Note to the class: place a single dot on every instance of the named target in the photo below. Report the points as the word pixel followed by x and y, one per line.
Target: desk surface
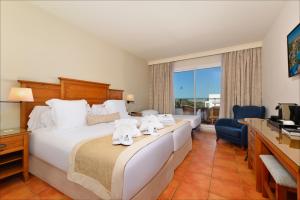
pixel 271 134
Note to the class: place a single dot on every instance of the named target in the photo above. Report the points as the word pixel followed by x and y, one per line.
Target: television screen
pixel 293 42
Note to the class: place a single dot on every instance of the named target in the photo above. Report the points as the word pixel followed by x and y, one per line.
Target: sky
pixel 208 81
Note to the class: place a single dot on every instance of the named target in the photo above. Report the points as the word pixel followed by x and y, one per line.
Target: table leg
pixel 25 159
pixel 258 151
pixel 298 186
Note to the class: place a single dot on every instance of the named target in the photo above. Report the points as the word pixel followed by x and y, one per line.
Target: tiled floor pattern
pixel 210 171
pixel 213 171
pixel 15 189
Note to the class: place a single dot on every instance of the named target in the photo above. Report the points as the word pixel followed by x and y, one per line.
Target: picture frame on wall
pixel 293 47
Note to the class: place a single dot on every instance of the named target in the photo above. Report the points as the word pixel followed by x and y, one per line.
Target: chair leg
pixel 281 192
pixel 246 157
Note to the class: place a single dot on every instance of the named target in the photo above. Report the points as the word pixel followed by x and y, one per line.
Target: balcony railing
pixel 186 106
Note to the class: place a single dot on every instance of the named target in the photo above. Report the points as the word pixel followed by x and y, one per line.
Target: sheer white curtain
pixel 161 88
pixel 241 80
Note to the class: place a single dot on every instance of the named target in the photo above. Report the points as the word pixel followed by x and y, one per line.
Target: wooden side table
pixel 14 153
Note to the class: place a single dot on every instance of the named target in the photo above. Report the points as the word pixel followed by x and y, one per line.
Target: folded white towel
pixel 125 130
pixel 166 119
pixel 150 123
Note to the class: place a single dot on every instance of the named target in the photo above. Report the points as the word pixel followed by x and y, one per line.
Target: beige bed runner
pixel 99 166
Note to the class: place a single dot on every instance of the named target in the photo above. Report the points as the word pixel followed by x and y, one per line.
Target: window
pixel 197 90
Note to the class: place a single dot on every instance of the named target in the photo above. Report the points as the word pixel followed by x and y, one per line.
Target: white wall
pixel 38 46
pixel 277 86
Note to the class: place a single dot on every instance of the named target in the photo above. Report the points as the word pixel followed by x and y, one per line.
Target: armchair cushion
pixel 230 131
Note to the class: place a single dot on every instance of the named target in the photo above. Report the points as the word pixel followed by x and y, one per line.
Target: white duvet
pixel 54 146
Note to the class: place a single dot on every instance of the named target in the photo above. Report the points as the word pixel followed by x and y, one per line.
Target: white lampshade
pixel 130 97
pixel 20 94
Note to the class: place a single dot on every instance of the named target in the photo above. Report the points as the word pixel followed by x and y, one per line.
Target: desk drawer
pixel 11 142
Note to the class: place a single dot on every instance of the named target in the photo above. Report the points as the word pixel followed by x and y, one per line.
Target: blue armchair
pixel 232 130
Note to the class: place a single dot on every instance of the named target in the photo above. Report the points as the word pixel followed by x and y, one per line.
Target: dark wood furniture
pixel 267 141
pixel 93 92
pixel 137 114
pixel 251 148
pixel 14 153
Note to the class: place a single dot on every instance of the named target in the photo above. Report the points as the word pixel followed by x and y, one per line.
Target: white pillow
pixel 99 109
pixel 119 106
pixel 68 113
pixel 149 112
pixel 40 117
pixel 47 119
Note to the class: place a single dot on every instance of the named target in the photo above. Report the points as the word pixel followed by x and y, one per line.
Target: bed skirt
pixel 180 154
pixel 58 178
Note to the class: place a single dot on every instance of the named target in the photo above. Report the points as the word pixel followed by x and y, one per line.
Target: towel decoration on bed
pixel 166 119
pixel 102 172
pixel 125 130
pixel 150 124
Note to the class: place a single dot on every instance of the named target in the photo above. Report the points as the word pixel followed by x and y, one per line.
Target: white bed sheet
pixel 181 135
pixel 55 146
pixel 194 119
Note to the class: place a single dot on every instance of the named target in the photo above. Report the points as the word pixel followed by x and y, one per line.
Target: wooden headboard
pixel 93 92
pixel 68 88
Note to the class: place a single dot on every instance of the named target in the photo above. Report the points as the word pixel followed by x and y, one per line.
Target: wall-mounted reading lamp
pixel 130 98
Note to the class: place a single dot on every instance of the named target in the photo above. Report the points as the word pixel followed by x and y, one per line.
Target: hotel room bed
pixel 55 147
pixel 146 174
pixel 195 120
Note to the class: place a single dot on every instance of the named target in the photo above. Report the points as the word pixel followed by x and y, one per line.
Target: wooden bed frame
pixel 93 92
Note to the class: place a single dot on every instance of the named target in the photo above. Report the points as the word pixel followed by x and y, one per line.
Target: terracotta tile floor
pixel 210 171
pixel 14 188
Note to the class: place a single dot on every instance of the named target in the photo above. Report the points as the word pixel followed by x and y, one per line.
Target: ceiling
pixel 160 29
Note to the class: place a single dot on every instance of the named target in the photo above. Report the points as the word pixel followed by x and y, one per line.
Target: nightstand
pixel 14 153
pixel 136 114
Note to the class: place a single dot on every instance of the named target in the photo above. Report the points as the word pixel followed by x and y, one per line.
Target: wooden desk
pixel 266 142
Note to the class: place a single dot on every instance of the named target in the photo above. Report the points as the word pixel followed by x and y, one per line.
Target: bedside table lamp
pixel 17 95
pixel 130 98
